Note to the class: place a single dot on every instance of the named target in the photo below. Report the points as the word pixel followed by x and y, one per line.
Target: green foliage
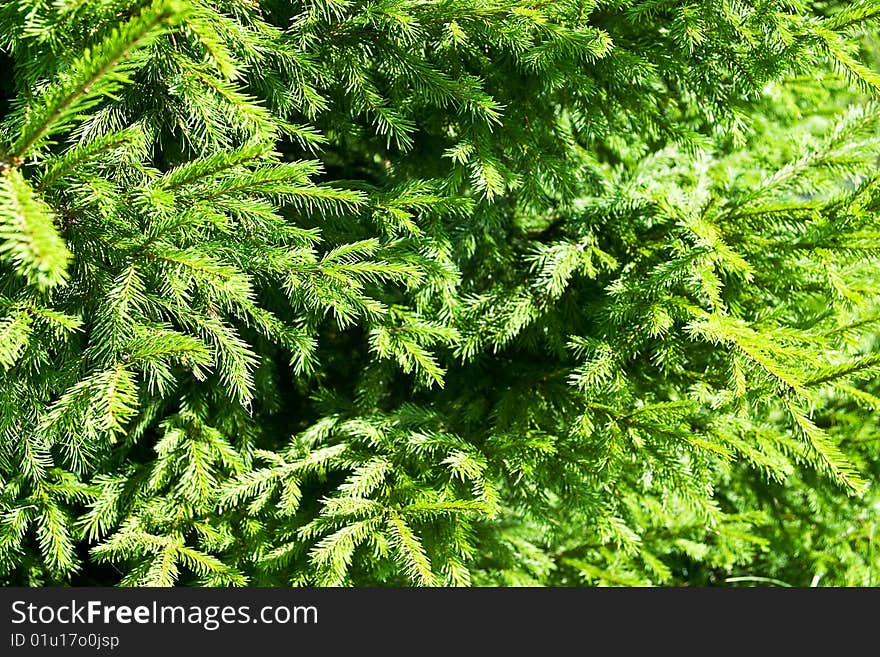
pixel 466 292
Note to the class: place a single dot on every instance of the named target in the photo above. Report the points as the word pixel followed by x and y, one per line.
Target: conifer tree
pixel 447 293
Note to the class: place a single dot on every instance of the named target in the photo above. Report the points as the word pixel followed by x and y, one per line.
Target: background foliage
pixel 394 292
